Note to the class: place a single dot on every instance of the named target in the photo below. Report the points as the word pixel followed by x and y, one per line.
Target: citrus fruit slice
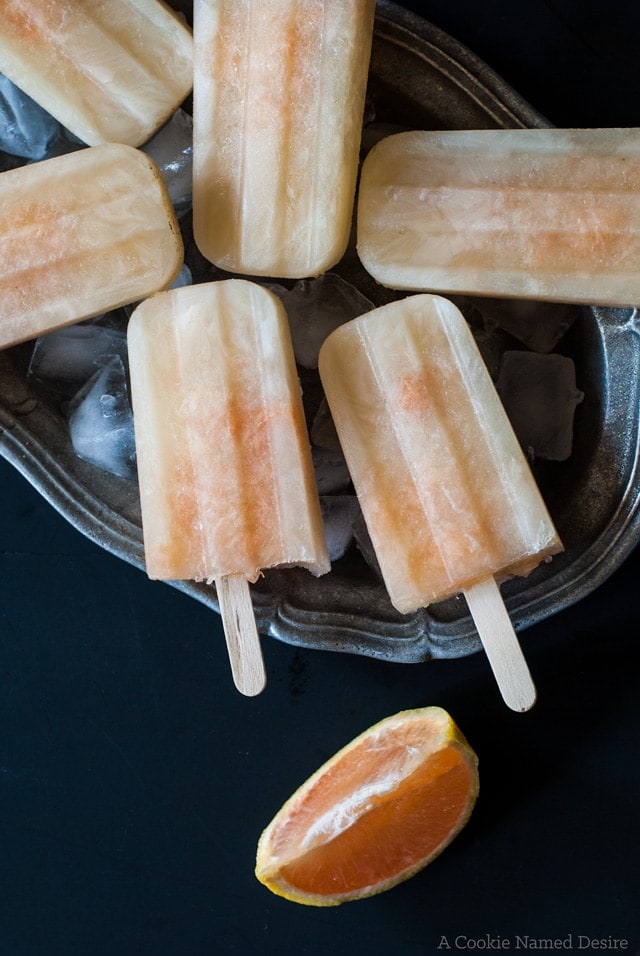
pixel 377 812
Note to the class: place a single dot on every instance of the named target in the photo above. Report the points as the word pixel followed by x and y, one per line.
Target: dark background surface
pixel 135 781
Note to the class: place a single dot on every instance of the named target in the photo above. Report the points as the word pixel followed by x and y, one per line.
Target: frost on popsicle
pixel 224 466
pixel 445 489
pixel 545 214
pixel 111 72
pixel 68 254
pixel 279 91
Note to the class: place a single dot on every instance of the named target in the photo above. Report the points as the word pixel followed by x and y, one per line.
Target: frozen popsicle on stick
pixel 111 72
pixel 529 213
pixel 81 234
pixel 279 88
pixel 449 500
pixel 226 481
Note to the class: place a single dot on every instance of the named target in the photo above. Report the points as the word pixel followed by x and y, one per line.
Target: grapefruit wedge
pixel 375 814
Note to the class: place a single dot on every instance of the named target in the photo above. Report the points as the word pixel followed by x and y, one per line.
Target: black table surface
pixel 135 780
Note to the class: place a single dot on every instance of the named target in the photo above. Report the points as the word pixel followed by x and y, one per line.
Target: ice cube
pixel 315 307
pixel 172 150
pixel 26 129
pixel 538 325
pixel 63 360
pixel 339 512
pixel 101 421
pixel 540 397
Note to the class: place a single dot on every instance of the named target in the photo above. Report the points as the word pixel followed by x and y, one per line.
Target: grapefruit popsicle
pixel 279 88
pixel 448 497
pixel 81 234
pixel 110 72
pixel 542 214
pixel 224 464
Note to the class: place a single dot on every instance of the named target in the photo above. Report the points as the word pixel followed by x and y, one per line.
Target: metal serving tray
pixel 420 78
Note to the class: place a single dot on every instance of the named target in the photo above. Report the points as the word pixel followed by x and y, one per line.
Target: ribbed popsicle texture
pixel 108 70
pixel 279 89
pixel 445 489
pixel 81 234
pixel 538 213
pixel 226 480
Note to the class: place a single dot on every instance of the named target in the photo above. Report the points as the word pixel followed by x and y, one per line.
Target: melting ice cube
pixel 538 325
pixel 172 150
pixel 101 421
pixel 315 307
pixel 25 128
pixel 66 358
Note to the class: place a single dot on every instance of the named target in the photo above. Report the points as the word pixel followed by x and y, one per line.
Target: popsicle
pixel 529 213
pixel 279 88
pixel 447 495
pixel 224 464
pixel 81 234
pixel 112 71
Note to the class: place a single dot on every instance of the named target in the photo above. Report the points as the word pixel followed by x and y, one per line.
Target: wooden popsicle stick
pixel 241 633
pixel 501 645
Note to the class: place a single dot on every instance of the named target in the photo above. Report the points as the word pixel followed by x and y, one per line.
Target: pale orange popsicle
pixel 448 497
pixel 81 234
pixel 531 213
pixel 226 480
pixel 109 71
pixel 279 89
